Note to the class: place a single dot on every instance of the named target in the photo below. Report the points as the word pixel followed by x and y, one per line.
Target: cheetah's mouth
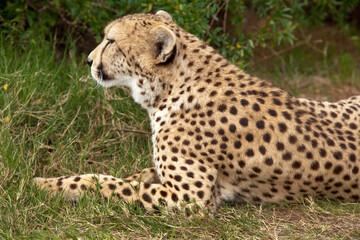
pixel 106 80
pixel 102 75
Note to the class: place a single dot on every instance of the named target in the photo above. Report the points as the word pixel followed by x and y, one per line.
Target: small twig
pixel 71 123
pixel 39 10
pixel 311 45
pixel 62 12
pixel 213 18
pixel 103 5
pixel 225 16
pixel 277 53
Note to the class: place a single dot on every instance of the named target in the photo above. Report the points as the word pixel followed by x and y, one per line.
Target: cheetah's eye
pixel 111 41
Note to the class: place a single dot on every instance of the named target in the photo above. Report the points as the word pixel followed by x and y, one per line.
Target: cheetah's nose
pixel 89 61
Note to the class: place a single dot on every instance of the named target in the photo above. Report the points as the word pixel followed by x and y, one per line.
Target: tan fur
pixel 219 133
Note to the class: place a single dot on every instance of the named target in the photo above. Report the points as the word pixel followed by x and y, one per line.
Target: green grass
pixel 55 120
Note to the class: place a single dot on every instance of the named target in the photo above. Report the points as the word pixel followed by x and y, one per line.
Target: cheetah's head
pixel 135 46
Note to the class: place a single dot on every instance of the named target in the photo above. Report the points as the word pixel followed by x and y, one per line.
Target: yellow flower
pixel 7 119
pixel 6 86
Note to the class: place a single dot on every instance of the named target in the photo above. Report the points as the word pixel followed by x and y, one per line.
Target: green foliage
pixel 227 25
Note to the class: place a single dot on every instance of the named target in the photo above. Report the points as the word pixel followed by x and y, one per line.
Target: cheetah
pixel 218 133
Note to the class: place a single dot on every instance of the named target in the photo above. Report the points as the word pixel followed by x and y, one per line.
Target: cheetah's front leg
pixel 74 186
pixel 150 195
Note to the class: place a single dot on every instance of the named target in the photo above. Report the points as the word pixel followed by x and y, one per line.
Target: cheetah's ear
pixel 165 44
pixel 164 15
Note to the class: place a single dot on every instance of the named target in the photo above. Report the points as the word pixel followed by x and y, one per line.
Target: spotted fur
pixel 218 133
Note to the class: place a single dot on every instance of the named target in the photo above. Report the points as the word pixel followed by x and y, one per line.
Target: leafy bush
pixel 235 27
